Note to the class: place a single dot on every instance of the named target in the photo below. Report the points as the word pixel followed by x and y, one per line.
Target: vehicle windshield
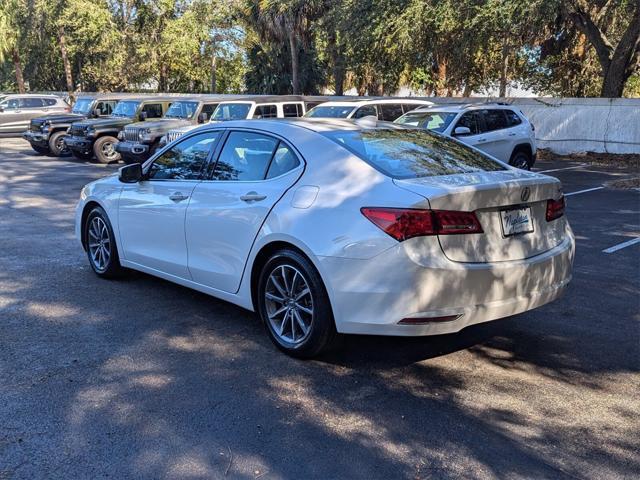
pixel 412 153
pixel 82 106
pixel 436 121
pixel 231 111
pixel 185 110
pixel 126 108
pixel 330 111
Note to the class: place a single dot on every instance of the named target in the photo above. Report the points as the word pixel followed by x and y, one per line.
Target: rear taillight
pixel 555 209
pixel 405 223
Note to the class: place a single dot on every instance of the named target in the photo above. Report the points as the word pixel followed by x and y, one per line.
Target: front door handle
pixel 252 197
pixel 178 196
pixel 481 140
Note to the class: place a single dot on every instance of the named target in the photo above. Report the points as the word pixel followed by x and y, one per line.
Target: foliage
pixel 439 47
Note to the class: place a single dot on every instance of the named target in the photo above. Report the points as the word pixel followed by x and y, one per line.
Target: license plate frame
pixel 516 221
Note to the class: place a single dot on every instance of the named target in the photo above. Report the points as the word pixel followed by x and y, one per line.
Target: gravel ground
pixel 144 379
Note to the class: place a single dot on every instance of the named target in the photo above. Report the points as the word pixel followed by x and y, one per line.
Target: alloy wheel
pixel 289 304
pixel 99 243
pixel 108 150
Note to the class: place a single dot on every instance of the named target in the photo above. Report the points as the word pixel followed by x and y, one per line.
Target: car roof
pixel 357 102
pixel 319 125
pixel 461 107
pixel 30 95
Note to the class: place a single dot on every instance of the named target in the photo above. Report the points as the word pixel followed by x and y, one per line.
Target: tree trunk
pixel 504 70
pixel 293 46
pixel 162 78
pixel 65 60
pixel 441 77
pixel 613 83
pixel 18 67
pixel 214 79
pixel 338 70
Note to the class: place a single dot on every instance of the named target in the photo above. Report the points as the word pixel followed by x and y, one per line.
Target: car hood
pixel 59 118
pixel 105 122
pixel 161 124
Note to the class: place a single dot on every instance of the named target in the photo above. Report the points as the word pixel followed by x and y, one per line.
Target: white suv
pixel 383 109
pixel 500 130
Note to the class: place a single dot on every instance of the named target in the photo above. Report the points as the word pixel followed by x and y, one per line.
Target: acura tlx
pixel 334 226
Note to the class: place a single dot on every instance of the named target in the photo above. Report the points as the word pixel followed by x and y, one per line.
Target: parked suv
pixel 98 136
pixel 17 110
pixel 497 129
pixel 283 106
pixel 46 133
pixel 383 109
pixel 138 141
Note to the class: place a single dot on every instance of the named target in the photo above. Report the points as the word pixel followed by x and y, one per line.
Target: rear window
pixel 413 153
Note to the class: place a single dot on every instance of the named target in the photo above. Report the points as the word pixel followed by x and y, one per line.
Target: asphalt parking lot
pixel 145 379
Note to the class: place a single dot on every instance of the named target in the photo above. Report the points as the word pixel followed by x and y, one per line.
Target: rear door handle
pixel 178 196
pixel 252 197
pixel 512 134
pixel 481 140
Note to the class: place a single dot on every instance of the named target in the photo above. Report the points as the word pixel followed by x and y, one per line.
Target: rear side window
pixel 407 107
pixel 292 109
pixel 389 111
pixel 366 111
pixel 265 111
pixel 153 110
pixel 48 102
pixel 494 120
pixel 245 156
pixel 471 120
pixel 32 102
pixel 512 118
pixel 283 161
pixel 412 153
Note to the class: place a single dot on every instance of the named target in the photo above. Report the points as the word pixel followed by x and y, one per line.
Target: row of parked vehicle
pixel 132 127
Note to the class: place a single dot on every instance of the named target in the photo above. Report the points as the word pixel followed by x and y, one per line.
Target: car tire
pixel 84 156
pixel 104 149
pixel 100 244
pixel 40 150
pixel 294 305
pixel 520 159
pixel 57 148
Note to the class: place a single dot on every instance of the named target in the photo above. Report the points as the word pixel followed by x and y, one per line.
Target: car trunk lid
pixel 500 200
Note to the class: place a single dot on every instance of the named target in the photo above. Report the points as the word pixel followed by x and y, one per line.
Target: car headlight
pixel 45 128
pixel 90 132
pixel 144 134
pixel 121 135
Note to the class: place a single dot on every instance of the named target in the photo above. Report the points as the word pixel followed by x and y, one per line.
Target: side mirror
pixel 130 173
pixel 1 108
pixel 202 117
pixel 461 131
pixel 143 116
pixel 97 112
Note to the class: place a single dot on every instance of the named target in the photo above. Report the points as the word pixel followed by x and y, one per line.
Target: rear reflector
pixel 555 208
pixel 405 223
pixel 422 321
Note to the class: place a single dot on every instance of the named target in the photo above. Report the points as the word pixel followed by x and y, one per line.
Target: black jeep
pixel 46 133
pixel 98 136
pixel 140 140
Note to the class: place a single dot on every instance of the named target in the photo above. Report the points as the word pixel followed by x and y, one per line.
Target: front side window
pixel 327 111
pixel 471 120
pixel 389 111
pixel 407 107
pixel 412 153
pixel 126 108
pixel 265 111
pixel 494 119
pixel 366 111
pixel 83 106
pixel 106 107
pixel 292 110
pixel 184 110
pixel 209 108
pixel 153 110
pixel 245 157
pixel 436 121
pixel 185 160
pixel 283 161
pixel 231 111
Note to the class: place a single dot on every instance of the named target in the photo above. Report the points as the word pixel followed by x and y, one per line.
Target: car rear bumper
pixel 36 138
pixel 136 152
pixel 414 282
pixel 78 144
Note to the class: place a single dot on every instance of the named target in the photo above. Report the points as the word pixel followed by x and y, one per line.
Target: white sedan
pixel 328 226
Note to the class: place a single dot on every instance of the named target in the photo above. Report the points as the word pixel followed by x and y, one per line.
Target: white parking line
pixel 622 245
pixel 583 191
pixel 561 169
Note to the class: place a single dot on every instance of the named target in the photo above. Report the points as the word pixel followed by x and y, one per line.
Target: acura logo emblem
pixel 524 196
